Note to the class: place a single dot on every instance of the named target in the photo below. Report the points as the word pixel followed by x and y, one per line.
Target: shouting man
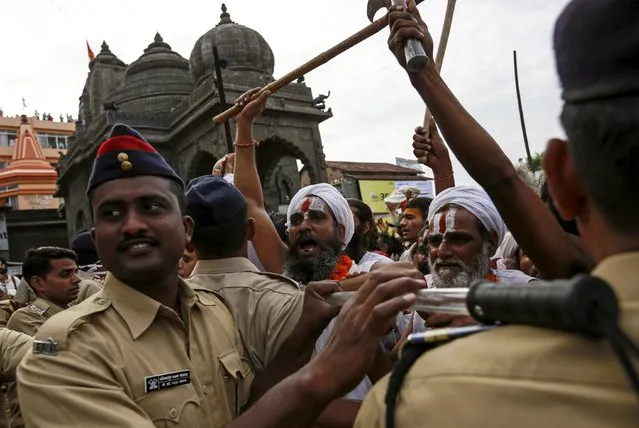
pixel 320 225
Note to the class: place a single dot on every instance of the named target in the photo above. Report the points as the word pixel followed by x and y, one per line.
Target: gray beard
pixel 478 268
pixel 319 270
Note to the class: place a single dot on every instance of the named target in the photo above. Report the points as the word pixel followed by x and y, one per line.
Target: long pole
pixel 441 52
pixel 220 89
pixel 311 65
pixel 521 115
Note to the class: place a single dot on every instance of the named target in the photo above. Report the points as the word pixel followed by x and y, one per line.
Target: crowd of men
pixel 192 306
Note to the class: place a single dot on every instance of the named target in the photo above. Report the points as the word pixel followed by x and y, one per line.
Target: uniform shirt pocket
pixel 172 406
pixel 237 379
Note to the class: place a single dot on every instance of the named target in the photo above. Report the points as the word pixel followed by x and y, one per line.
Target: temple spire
pixel 225 17
pixel 27 146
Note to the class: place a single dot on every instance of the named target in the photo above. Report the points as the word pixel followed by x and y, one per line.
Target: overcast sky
pixel 375 109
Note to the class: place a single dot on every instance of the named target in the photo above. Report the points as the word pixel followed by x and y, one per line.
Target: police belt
pixel 584 305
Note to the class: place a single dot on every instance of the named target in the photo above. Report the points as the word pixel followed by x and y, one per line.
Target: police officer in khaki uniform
pixel 266 307
pixel 148 350
pixel 523 376
pixel 53 274
pixel 13 347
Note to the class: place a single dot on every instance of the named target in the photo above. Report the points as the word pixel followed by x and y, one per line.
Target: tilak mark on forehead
pixel 311 203
pixel 444 221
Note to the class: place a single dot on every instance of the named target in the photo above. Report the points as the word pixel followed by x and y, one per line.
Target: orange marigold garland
pixel 492 277
pixel 343 267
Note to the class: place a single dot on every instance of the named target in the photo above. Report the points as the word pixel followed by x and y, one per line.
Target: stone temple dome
pixel 157 81
pixel 157 55
pixel 240 47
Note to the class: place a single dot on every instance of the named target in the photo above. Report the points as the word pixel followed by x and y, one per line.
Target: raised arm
pixel 269 247
pixel 535 229
pixel 431 151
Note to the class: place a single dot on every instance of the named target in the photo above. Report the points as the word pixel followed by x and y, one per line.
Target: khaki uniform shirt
pixel 13 347
pixel 266 306
pixel 29 319
pixel 88 288
pixel 524 377
pixel 6 310
pixel 121 359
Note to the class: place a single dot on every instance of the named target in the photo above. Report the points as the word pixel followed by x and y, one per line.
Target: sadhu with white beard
pixel 464 231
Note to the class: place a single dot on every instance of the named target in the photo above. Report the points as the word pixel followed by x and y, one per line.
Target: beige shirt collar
pixel 620 271
pixel 229 265
pixel 138 310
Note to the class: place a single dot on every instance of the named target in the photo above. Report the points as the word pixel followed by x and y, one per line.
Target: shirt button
pixel 102 301
pixel 173 413
pixel 205 389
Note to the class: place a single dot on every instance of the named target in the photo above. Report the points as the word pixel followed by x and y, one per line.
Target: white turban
pixel 508 248
pixel 336 202
pixel 475 200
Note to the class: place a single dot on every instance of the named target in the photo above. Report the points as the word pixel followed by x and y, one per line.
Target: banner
pixel 374 191
pixel 426 187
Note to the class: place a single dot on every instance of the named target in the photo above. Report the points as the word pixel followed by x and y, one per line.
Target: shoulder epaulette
pixel 36 309
pixel 280 278
pixel 59 327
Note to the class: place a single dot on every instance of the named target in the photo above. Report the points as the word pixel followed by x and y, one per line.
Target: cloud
pixel 375 107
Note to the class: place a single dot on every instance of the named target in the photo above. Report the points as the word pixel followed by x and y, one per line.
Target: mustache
pixel 134 240
pixel 449 261
pixel 305 238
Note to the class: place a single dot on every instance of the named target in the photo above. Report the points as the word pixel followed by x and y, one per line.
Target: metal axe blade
pixel 374 5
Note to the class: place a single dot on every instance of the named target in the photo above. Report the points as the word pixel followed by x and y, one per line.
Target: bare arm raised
pixel 269 247
pixel 537 232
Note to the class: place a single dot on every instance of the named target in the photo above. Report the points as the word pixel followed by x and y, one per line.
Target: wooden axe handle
pixel 311 65
pixel 441 51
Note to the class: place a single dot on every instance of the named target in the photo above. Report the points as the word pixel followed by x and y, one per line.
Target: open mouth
pixel 308 246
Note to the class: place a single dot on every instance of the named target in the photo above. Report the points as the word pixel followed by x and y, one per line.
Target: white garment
pixel 365 385
pixel 407 255
pixel 369 260
pixel 10 285
pixel 503 276
pixel 252 256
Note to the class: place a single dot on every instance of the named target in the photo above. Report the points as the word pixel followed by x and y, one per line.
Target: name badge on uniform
pixel 166 380
pixel 37 310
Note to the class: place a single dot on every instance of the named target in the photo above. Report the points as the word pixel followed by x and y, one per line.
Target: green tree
pixel 536 162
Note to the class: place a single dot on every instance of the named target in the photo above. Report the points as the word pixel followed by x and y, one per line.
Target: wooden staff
pixel 439 60
pixel 521 114
pixel 311 65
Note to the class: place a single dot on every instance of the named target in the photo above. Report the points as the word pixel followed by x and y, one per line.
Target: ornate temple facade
pixel 29 149
pixel 172 100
